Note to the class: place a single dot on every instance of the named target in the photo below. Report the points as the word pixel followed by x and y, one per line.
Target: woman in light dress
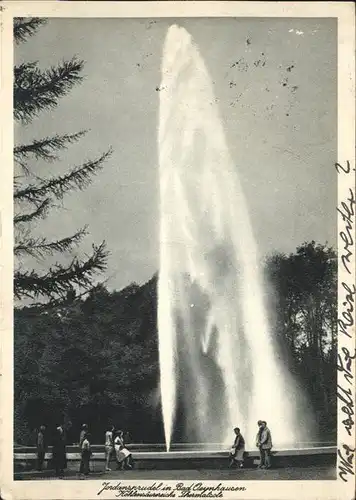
pixel 123 455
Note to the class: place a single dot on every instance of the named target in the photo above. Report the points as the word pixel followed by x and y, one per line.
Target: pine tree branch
pixel 60 279
pixel 39 248
pixel 26 26
pixel 45 149
pixel 24 167
pixel 36 90
pixel 78 178
pixel 38 213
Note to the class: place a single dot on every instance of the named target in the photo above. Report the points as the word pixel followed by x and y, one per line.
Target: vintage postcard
pixel 177 250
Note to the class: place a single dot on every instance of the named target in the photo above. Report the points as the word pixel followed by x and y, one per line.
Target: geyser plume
pixel 218 360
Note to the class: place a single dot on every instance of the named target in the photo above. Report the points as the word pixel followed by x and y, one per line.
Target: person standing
pixel 41 447
pixel 264 443
pixel 82 434
pixel 109 446
pixel 59 452
pixel 237 449
pixel 258 442
pixel 85 454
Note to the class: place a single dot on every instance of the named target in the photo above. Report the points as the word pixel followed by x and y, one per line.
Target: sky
pixel 275 88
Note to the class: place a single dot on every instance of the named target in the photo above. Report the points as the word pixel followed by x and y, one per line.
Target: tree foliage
pixel 95 359
pixel 25 27
pixel 36 91
pixel 305 285
pixel 92 360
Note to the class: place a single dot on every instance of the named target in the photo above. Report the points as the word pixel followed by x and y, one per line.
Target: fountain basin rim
pixel 172 455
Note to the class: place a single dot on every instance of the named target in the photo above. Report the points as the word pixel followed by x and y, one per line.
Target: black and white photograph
pixel 183 259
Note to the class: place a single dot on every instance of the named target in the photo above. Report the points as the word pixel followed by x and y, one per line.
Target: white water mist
pixel 218 363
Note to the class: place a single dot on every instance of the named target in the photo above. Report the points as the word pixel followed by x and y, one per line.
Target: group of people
pixel 59 456
pixel 263 443
pixel 114 448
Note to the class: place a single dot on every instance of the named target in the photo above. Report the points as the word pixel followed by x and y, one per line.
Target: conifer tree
pixel 36 91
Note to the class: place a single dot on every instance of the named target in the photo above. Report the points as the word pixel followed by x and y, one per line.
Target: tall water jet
pixel 218 361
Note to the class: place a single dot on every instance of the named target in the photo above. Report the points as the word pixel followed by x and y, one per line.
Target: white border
pixel 344 11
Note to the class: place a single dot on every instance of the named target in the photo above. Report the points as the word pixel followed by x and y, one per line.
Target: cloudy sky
pixel 275 85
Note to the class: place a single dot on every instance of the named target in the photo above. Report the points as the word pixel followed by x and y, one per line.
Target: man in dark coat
pixel 59 452
pixel 41 447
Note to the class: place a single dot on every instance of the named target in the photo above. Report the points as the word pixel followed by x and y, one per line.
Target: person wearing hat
pixel 264 444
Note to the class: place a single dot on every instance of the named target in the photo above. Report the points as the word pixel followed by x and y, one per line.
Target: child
pixel 86 453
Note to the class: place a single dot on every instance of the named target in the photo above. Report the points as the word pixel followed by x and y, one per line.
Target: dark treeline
pixel 304 300
pixel 91 361
pixel 95 360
